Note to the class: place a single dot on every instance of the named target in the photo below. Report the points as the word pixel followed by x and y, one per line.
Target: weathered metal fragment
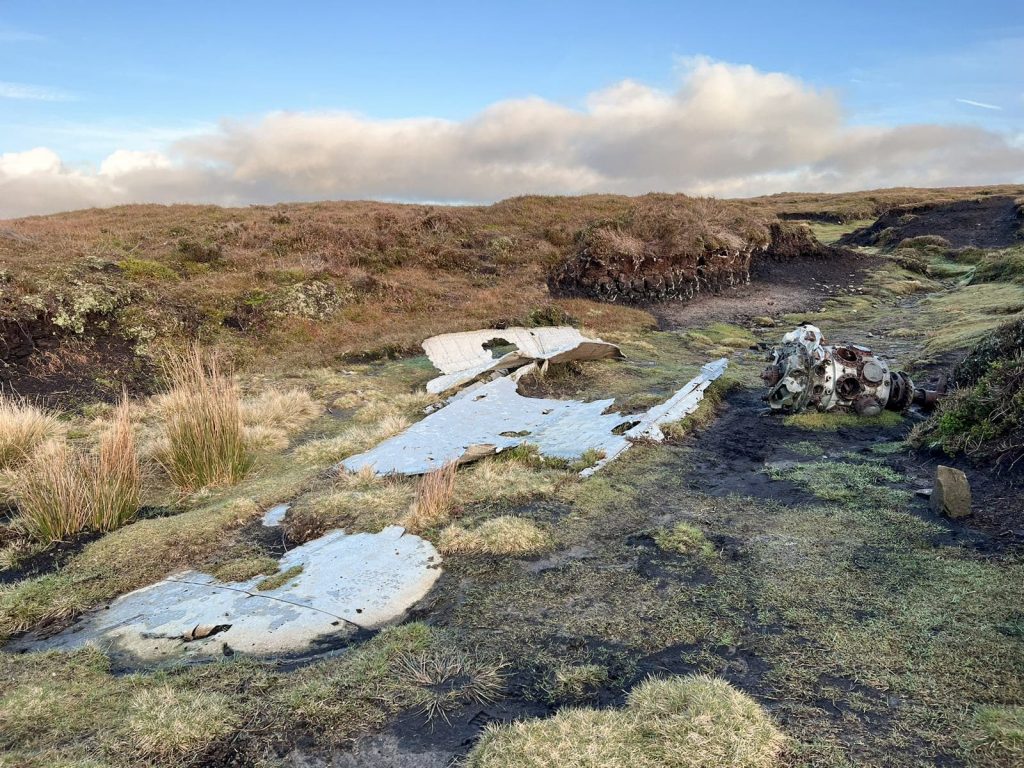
pixel 494 417
pixel 804 373
pixel 346 582
pixel 462 357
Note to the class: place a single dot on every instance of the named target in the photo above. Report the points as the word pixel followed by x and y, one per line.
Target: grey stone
pixel 951 495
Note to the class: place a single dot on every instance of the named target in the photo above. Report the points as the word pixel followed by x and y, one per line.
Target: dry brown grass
pixel 433 503
pixel 52 494
pixel 869 204
pixel 301 284
pixel 114 476
pixel 23 428
pixel 60 492
pixel 203 430
pixel 173 726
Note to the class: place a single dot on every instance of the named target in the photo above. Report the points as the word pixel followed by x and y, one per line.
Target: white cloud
pixel 727 130
pixel 981 104
pixel 26 92
pixel 126 161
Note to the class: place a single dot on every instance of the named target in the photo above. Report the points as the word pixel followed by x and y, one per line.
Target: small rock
pixel 951 495
pixel 925 493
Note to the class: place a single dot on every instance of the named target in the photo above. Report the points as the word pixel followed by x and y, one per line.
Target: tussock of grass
pixel 830 421
pixel 60 493
pixel 274 414
pixel 170 725
pixel 694 722
pixel 23 428
pixel 433 503
pixel 202 422
pixel 684 539
pixel 38 602
pixel 503 535
pixel 115 477
pixel 496 479
pixel 571 682
pixel 445 680
pixel 51 494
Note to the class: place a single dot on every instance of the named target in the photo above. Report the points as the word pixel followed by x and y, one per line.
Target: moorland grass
pixel 432 505
pixel 502 535
pixel 684 539
pixel 690 722
pixel 23 428
pixel 60 492
pixel 202 424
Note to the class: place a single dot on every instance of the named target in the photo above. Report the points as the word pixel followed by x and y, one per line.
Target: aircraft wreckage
pixel 488 415
pixel 806 373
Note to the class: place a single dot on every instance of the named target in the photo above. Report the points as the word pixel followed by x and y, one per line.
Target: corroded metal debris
pixel 806 373
pixel 463 357
pixel 494 417
pixel 338 584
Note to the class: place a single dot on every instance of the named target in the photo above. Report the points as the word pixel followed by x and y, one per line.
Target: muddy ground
pixel 775 287
pixel 992 222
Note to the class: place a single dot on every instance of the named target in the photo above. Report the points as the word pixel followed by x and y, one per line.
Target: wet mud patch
pixel 48 561
pixel 732 455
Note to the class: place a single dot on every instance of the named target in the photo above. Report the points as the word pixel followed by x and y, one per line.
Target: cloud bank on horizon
pixel 728 130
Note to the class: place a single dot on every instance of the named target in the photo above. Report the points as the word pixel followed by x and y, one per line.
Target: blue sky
pixel 87 79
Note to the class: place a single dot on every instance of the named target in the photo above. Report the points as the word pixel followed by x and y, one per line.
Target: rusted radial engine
pixel 803 372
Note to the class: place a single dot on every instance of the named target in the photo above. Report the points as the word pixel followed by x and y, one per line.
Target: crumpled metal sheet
pixel 494 417
pixel 347 582
pixel 461 357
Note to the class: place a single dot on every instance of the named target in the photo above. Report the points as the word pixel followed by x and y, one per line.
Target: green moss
pixel 279 579
pixel 684 539
pixel 244 568
pixel 721 335
pixel 146 268
pixel 833 420
pixel 862 486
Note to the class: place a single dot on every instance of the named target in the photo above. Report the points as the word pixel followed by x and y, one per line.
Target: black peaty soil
pixel 776 287
pixel 993 222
